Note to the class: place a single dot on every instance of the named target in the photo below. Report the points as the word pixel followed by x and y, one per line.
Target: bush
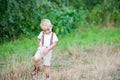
pixel 23 17
pixel 106 13
pixel 64 19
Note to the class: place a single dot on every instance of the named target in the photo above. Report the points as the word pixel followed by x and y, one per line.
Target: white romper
pixel 39 54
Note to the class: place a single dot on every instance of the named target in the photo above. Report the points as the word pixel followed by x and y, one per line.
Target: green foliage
pixel 106 13
pixel 22 17
pixel 64 19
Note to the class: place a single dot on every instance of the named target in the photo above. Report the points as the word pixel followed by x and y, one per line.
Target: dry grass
pixel 92 63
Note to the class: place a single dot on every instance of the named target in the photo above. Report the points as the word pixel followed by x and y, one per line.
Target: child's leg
pixel 36 69
pixel 37 58
pixel 36 63
pixel 47 70
pixel 47 59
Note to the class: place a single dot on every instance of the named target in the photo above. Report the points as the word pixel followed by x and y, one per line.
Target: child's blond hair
pixel 47 22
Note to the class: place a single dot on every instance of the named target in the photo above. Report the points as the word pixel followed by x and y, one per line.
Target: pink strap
pixel 42 38
pixel 51 40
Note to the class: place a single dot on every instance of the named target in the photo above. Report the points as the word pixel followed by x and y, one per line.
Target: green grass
pixel 91 35
pixel 82 36
pixel 17 46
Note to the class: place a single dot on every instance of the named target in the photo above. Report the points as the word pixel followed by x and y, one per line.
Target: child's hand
pixel 45 51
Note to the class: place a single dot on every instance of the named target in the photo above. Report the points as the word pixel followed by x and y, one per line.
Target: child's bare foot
pixel 35 70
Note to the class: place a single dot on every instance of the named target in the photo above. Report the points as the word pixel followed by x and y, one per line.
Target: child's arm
pixel 52 46
pixel 46 50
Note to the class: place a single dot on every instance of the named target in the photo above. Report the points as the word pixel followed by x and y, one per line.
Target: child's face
pixel 45 28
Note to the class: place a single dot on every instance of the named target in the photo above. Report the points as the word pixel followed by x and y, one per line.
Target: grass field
pixel 87 53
